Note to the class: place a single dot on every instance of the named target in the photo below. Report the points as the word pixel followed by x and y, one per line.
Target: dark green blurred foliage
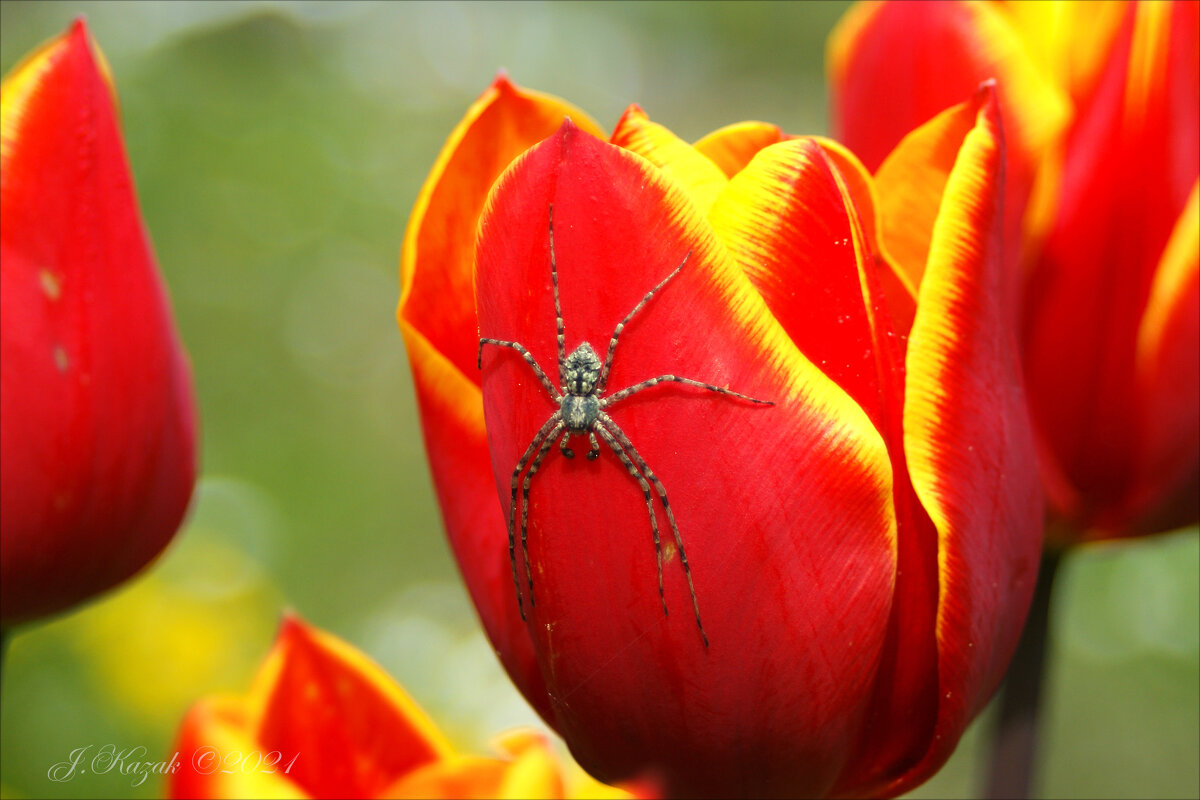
pixel 278 149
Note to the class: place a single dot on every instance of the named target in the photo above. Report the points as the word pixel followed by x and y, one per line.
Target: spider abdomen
pixel 580 412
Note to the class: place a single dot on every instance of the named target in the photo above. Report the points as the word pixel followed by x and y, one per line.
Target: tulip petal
pixel 535 770
pixel 355 730
pixel 911 182
pixel 732 147
pixel 536 773
pixel 214 730
pixel 97 426
pixel 530 771
pixel 699 176
pixel 806 563
pixel 436 314
pixel 967 440
pixel 459 777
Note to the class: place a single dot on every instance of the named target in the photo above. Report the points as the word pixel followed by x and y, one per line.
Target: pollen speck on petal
pixel 51 284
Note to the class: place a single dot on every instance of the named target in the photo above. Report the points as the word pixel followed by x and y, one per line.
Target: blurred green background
pixel 278 148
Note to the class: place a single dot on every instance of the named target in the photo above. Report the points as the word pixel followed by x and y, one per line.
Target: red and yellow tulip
pixel 97 419
pixel 863 551
pixel 322 720
pixel 1104 223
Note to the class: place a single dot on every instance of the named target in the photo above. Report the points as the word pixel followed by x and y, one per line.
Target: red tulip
pixel 97 431
pixel 860 554
pixel 322 720
pixel 1102 99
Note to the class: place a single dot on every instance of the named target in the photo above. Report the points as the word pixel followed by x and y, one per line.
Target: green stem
pixel 1012 760
pixel 5 635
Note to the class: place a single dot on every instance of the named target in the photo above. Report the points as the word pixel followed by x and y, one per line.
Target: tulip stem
pixel 1015 740
pixel 5 635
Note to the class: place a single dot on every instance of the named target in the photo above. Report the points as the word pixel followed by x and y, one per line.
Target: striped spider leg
pixel 582 410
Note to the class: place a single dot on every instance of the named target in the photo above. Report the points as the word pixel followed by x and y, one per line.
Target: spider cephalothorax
pixel 581 409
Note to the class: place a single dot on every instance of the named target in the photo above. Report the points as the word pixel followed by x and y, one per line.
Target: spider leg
pixel 652 382
pixel 594 453
pixel 547 442
pixel 633 471
pixel 566 451
pixel 612 343
pixel 605 422
pixel 529 359
pixel 540 437
pixel 562 348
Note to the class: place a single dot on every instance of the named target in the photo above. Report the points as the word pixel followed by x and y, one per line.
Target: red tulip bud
pixel 97 428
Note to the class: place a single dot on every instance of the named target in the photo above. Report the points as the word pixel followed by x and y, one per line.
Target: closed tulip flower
pixel 797 538
pixel 97 430
pixel 1104 229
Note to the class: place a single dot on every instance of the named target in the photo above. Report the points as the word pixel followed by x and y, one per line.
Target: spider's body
pixel 581 410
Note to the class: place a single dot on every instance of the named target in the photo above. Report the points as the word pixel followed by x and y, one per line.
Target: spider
pixel 581 410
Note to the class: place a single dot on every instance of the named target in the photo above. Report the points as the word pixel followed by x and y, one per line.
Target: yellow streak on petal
pixel 700 177
pixel 105 73
pixel 749 214
pixel 948 302
pixel 18 87
pixel 27 76
pixel 1147 59
pixel 218 724
pixel 408 253
pixel 862 256
pixel 581 786
pixel 1069 42
pixel 408 250
pixel 910 185
pixel 461 778
pixel 432 371
pixel 861 190
pixel 537 771
pixel 1179 262
pixel 744 217
pixel 258 699
pixel 357 661
pixel 534 772
pixel 1039 108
